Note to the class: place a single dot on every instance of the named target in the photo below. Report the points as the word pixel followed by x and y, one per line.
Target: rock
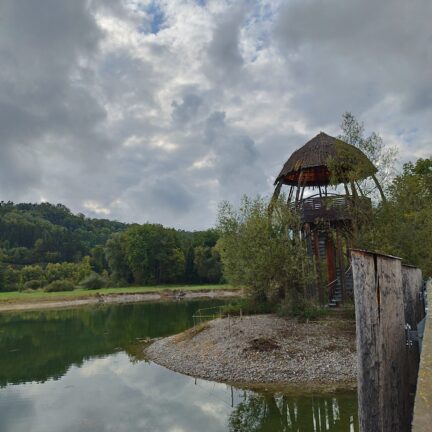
pixel 262 349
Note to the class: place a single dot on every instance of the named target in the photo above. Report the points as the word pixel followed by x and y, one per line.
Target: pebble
pixel 307 352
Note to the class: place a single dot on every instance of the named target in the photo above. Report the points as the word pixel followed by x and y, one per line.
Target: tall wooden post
pixel 412 282
pixel 381 343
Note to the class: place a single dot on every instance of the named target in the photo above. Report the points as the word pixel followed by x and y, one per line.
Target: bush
pixel 305 309
pixel 93 281
pixel 248 307
pixel 263 251
pixel 60 285
pixel 32 284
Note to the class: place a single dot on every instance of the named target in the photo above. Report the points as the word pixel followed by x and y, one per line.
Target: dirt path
pixel 115 298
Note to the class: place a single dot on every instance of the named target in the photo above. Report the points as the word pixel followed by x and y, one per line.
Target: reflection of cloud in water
pixel 97 397
pixel 113 394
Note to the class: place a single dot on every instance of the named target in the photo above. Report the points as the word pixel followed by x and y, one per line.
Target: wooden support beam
pixel 379 188
pixel 341 264
pixel 381 342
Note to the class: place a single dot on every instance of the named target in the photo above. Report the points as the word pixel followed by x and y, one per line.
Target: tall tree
pixel 264 253
pixel 381 155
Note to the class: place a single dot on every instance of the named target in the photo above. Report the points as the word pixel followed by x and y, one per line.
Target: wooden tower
pixel 323 178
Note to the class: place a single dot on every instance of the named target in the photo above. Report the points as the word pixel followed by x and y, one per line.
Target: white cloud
pixel 157 110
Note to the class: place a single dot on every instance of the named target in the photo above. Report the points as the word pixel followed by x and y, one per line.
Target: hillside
pixel 42 233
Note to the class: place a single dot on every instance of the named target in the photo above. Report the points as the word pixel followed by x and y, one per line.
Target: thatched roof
pixel 324 160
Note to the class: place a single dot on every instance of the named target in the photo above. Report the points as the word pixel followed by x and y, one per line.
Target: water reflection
pixel 284 413
pixel 36 346
pixel 67 371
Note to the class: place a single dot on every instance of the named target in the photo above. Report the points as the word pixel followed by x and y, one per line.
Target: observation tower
pixel 323 179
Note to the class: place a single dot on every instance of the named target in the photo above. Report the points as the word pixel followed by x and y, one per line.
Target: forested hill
pixel 41 244
pixel 42 233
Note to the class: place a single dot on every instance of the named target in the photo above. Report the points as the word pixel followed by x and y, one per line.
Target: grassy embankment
pixel 79 293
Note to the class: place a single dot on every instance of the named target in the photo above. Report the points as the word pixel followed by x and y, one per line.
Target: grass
pixel 80 293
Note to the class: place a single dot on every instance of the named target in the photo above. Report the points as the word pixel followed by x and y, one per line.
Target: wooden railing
pixel 331 207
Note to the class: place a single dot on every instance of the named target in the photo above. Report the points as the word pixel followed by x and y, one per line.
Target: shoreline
pixel 264 352
pixel 119 298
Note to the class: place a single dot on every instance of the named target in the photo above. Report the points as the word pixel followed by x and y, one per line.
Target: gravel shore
pixel 118 298
pixel 263 349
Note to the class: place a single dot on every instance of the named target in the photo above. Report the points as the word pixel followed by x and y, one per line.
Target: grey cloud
pixel 351 56
pixel 225 61
pixel 171 195
pixel 41 91
pixel 161 127
pixel 186 110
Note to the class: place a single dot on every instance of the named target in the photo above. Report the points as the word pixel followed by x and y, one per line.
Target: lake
pixel 82 370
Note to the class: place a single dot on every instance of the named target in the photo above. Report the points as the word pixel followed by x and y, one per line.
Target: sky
pixel 157 111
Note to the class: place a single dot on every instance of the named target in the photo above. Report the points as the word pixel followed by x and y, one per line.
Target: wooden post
pixel 331 266
pixel 316 240
pixel 341 265
pixel 412 281
pixel 381 344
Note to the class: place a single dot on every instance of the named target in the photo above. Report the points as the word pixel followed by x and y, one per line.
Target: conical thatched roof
pixel 324 160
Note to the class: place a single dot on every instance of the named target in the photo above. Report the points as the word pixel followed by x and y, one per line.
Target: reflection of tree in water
pixel 38 345
pixel 272 413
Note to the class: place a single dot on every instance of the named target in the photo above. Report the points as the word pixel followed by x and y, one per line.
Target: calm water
pixel 80 370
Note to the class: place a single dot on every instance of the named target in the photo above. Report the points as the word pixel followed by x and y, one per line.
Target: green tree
pixel 381 155
pixel 115 254
pixel 152 251
pixel 97 259
pixel 208 264
pixel 263 252
pixel 403 225
pixel 33 272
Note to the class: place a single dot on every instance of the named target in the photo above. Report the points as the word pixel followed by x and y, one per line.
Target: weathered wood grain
pixel 412 281
pixel 367 337
pixel 381 347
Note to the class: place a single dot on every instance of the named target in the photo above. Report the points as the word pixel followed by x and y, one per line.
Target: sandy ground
pixel 263 349
pixel 115 298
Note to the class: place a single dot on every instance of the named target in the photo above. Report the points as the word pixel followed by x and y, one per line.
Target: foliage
pixel 42 233
pixel 46 242
pixel 207 264
pixel 30 273
pixel 403 225
pixel 93 281
pixel 264 251
pixel 115 253
pixel 33 284
pixel 303 308
pixel 381 155
pixel 60 285
pixel 153 253
pixel 248 306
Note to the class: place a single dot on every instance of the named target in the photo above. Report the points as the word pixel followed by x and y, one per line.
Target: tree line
pixel 41 244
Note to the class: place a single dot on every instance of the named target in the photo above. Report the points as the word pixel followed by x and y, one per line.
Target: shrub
pixel 248 306
pixel 30 273
pixel 261 249
pixel 9 278
pixel 305 309
pixel 60 285
pixel 32 284
pixel 93 281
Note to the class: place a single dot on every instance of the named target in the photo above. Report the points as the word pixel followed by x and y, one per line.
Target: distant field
pixel 37 296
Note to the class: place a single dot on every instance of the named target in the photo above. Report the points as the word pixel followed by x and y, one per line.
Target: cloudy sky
pixel 156 111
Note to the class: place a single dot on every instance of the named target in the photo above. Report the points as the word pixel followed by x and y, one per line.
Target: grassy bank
pixel 41 296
